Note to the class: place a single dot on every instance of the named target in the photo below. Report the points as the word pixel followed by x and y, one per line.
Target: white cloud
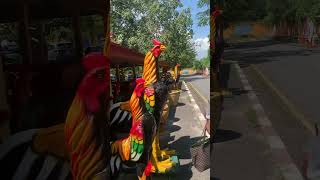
pixel 201 46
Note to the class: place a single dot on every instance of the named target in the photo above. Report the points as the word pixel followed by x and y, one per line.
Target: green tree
pixel 204 16
pixel 198 65
pixel 291 11
pixel 242 10
pixel 135 23
pixel 205 61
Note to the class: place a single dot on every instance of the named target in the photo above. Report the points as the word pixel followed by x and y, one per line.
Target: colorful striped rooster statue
pixel 146 104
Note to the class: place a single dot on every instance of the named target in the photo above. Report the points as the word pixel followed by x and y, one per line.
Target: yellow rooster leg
pixel 163 165
pixel 164 154
pixel 160 167
pixel 167 153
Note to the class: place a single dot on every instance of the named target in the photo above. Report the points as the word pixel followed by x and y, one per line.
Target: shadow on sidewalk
pixel 172 128
pixel 213 178
pixel 225 135
pixel 183 145
pixel 180 104
pixel 166 137
pixel 187 172
pixel 176 119
pixel 238 91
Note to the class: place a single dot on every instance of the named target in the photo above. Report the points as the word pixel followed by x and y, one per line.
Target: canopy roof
pixel 123 56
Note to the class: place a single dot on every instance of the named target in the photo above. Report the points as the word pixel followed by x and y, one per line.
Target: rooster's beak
pixel 162 47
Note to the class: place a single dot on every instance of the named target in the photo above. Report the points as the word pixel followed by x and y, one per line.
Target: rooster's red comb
pixel 156 42
pixel 140 80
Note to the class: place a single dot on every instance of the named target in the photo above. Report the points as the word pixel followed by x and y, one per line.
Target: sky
pixel 200 36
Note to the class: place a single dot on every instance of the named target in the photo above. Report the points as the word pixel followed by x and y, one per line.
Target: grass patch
pixel 252 117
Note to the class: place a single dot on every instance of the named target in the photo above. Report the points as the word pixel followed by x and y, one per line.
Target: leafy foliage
pixel 202 63
pixel 198 65
pixel 292 11
pixel 204 16
pixel 272 11
pixel 134 23
pixel 243 10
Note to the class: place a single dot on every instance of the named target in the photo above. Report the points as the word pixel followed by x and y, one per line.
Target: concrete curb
pixel 280 155
pixel 306 122
pixel 196 108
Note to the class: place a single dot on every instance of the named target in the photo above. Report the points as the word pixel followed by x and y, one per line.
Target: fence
pixel 306 32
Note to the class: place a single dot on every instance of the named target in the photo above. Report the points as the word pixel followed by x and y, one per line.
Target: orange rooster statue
pixel 77 148
pixel 86 139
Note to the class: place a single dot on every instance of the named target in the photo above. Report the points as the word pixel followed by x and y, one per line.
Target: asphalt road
pixel 292 68
pixel 200 89
pixel 201 83
pixel 239 149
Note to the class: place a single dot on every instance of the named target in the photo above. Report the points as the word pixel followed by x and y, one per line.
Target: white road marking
pixel 196 108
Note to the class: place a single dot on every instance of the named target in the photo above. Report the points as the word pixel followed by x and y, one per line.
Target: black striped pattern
pixel 121 122
pixel 19 162
pixel 115 165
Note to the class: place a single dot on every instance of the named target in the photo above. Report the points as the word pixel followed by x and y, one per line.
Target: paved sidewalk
pixel 185 129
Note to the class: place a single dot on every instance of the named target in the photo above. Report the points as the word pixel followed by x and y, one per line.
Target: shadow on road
pixel 254 53
pixel 225 135
pixel 253 44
